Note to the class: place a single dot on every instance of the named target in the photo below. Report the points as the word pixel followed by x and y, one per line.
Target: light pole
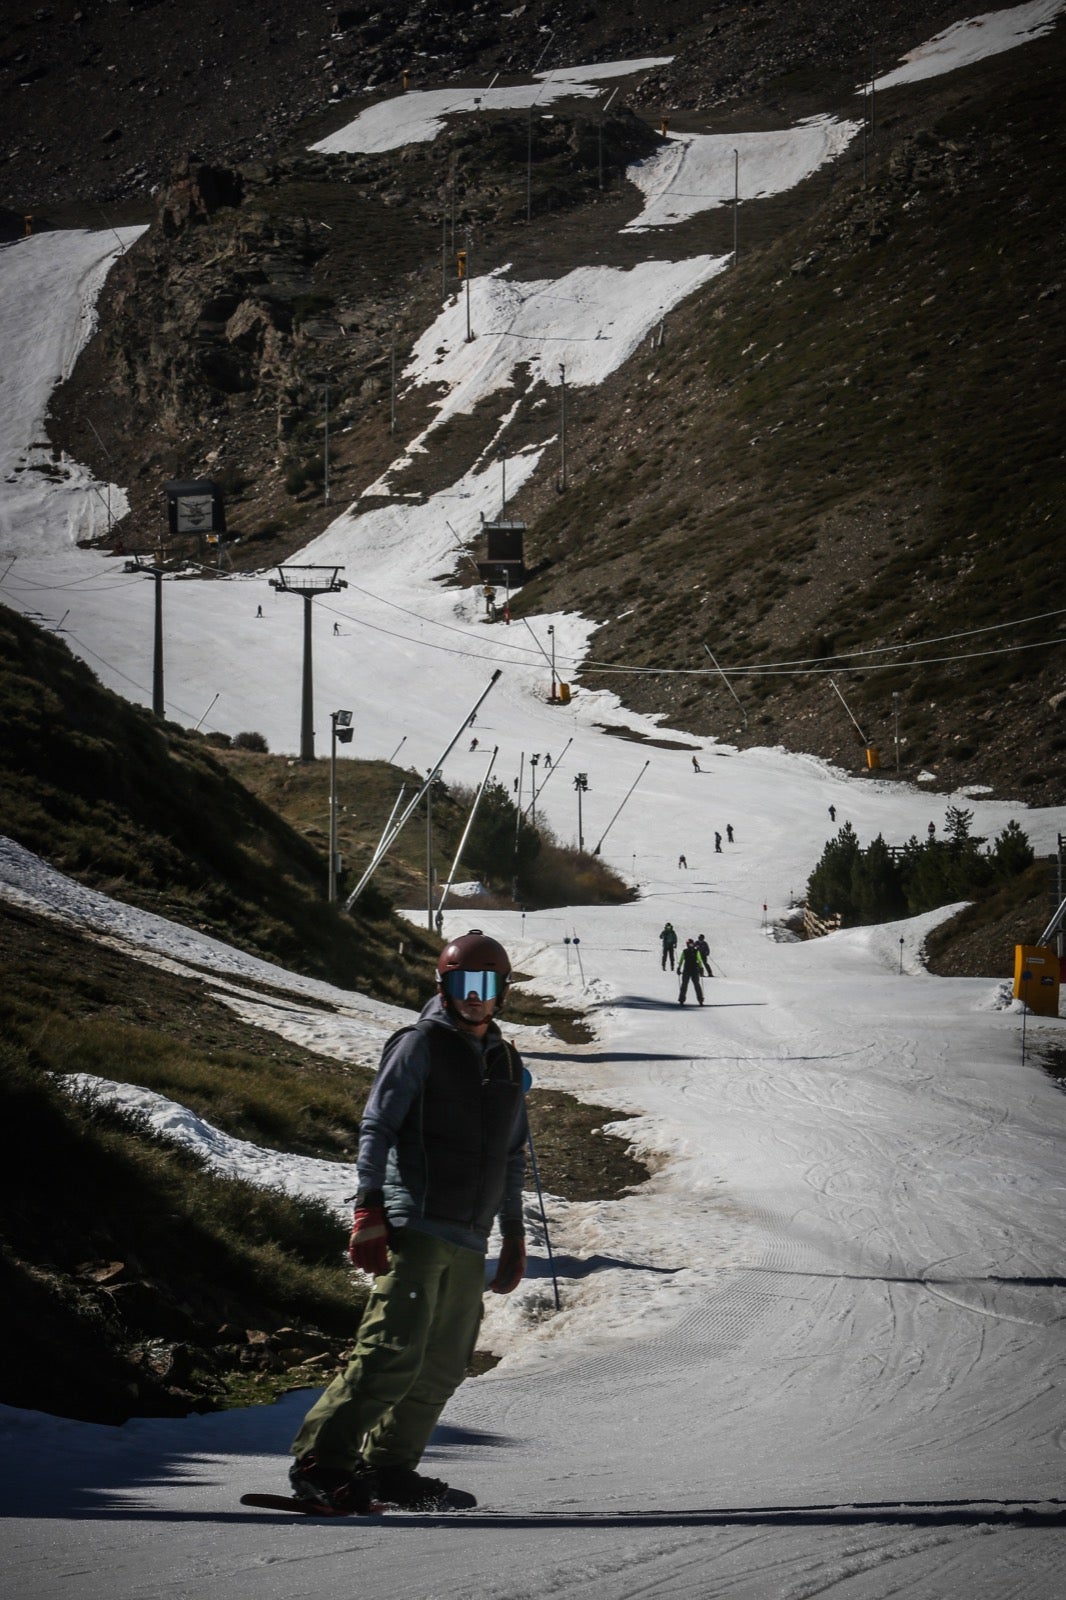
pixel 308 582
pixel 533 764
pixel 551 636
pixel 562 426
pixel 325 445
pixel 895 713
pixel 736 200
pixel 466 274
pixel 341 732
pixel 581 784
pixel 434 778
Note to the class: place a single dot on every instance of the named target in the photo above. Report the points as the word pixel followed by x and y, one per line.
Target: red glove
pixel 511 1266
pixel 368 1246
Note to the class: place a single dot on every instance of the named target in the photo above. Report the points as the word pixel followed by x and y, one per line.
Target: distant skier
pixel 691 969
pixel 682 862
pixel 832 813
pixel 729 832
pixel 705 953
pixel 668 940
pixel 695 765
pixel 717 843
pixel 259 611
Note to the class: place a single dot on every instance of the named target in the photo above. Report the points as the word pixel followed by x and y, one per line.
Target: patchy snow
pixel 48 501
pixel 587 323
pixel 696 172
pixel 418 116
pixel 972 40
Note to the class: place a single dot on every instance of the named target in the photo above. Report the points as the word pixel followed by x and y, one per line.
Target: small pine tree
pixel 1012 853
pixel 829 886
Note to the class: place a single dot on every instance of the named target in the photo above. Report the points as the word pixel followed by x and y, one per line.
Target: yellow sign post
pixel 1036 978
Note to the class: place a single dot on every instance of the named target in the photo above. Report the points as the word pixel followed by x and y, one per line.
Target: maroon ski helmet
pixel 476 952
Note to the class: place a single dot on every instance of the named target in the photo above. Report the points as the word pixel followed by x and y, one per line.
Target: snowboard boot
pixel 354 1492
pixel 402 1486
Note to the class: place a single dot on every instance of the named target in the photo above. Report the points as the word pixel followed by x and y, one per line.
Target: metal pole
pixel 333 809
pixel 157 651
pixel 736 200
pixel 552 770
pixel 551 636
pixel 469 334
pixel 611 824
pixel 562 426
pixel 529 166
pixel 865 128
pixel 206 713
pixel 543 1216
pixel 384 846
pixel 466 831
pixel 307 700
pixel 429 855
pixel 326 445
pixel 392 377
pixel 728 685
pixel 895 711
pixel 847 708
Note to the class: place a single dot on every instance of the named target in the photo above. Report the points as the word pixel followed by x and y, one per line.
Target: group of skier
pixel 692 965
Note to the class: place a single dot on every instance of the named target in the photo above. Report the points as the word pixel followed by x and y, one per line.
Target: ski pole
pixel 527 1084
pixel 544 1220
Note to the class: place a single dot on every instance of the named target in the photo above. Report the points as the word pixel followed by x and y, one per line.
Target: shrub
pixel 251 741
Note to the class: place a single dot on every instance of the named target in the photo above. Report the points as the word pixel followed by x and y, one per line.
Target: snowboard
pixel 454 1500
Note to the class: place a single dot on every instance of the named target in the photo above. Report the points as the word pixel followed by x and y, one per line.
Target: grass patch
pixel 169 1268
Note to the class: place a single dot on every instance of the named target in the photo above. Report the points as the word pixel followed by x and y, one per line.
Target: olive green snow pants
pixel 414 1345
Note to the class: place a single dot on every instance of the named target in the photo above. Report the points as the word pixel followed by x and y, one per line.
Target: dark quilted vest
pixel 452 1145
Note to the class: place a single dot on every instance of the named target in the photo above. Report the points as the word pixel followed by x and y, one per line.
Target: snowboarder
pixel 705 953
pixel 473 743
pixel 695 765
pixel 717 843
pixel 336 629
pixel 681 862
pixel 668 940
pixel 832 813
pixel 441 1156
pixel 729 832
pixel 691 969
pixel 259 611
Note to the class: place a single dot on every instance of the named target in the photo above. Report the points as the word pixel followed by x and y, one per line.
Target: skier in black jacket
pixel 441 1157
pixel 690 967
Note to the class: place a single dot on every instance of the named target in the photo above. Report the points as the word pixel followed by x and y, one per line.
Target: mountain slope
pixel 847 445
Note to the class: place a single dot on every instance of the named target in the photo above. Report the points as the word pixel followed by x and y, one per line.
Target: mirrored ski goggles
pixel 472 985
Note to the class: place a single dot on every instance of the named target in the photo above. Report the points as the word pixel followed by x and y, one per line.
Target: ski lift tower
pixel 308 582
